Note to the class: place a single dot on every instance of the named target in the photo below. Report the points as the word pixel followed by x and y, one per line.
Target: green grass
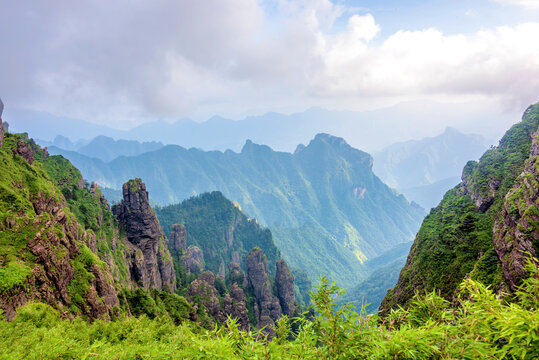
pixel 13 274
pixel 482 325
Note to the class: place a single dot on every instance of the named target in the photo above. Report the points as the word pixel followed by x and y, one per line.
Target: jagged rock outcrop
pixel 236 275
pixel 267 307
pixel 94 191
pixel 203 290
pixel 516 232
pixel 193 260
pixel 284 281
pixel 55 247
pixel 235 306
pixel 25 151
pixel 151 263
pixel 178 238
pixel 483 229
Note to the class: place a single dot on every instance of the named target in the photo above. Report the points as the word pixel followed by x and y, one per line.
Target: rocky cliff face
pixel 516 232
pixel 203 290
pixel 151 263
pixel 483 229
pixel 267 307
pixel 284 281
pixel 235 306
pixel 45 254
pixel 236 275
pixel 193 260
pixel 54 275
pixel 178 238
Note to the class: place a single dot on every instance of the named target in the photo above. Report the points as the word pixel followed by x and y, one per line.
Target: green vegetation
pixel 13 274
pixel 326 209
pixel 155 303
pixel 455 239
pixel 482 325
pixel 47 204
pixel 219 228
pixel 20 185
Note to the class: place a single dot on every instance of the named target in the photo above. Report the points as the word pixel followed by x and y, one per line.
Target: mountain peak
pixel 250 147
pixel 341 146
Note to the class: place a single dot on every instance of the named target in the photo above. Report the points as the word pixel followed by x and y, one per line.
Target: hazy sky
pixel 125 62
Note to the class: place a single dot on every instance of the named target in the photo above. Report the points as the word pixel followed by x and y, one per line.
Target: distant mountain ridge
pixel 486 228
pixel 368 130
pixel 425 169
pixel 327 211
pixel 103 148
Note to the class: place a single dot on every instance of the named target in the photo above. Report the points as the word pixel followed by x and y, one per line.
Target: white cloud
pixel 138 60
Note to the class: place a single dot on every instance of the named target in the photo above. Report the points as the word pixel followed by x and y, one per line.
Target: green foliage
pixel 326 210
pixel 155 303
pixel 20 184
pixel 12 275
pixel 218 228
pixel 38 314
pixel 481 326
pixel 455 239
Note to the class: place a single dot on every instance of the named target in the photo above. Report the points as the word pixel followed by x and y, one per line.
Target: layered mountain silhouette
pixel 423 170
pixel 327 210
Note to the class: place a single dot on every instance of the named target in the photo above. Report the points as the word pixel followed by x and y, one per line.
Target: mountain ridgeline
pixel 62 245
pixel 327 211
pixel 486 228
pixel 423 170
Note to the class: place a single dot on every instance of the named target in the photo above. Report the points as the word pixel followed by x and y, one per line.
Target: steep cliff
pixel 217 227
pixel 326 209
pixel 151 263
pixel 266 307
pixel 284 282
pixel 484 228
pixel 44 246
pixel 516 231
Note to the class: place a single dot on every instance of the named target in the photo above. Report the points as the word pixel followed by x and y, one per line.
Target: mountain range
pixel 322 199
pixel 62 245
pixel 423 170
pixel 367 130
pixel 103 147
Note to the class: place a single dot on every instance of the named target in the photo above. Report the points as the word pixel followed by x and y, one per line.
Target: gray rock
pixel 268 305
pixel 178 237
pixel 284 281
pixel 193 260
pixel 151 262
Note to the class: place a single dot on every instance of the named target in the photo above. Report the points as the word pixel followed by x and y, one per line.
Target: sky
pixel 123 63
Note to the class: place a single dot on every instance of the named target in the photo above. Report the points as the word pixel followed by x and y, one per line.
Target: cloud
pixel 501 62
pixel 528 4
pixel 132 61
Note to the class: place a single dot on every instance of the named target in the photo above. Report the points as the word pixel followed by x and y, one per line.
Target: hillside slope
pixel 61 244
pixel 484 228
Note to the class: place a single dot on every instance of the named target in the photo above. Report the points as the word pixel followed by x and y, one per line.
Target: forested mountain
pixel 326 209
pixel 78 280
pixel 215 224
pixel 423 170
pixel 61 244
pixel 485 228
